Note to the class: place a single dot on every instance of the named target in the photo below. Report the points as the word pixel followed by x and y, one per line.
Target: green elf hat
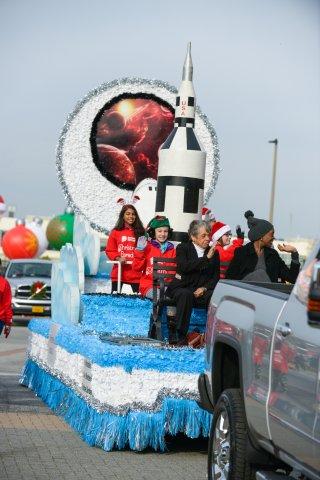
pixel 159 221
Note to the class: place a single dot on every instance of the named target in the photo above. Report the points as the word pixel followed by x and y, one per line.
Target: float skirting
pixel 136 430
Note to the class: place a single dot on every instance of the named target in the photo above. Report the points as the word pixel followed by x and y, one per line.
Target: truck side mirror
pixel 313 306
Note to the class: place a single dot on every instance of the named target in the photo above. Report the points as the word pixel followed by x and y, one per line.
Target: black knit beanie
pixel 257 226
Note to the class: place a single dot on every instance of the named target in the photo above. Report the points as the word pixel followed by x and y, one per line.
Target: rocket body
pixel 182 163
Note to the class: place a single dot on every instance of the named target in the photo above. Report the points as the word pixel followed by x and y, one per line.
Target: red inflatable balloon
pixel 20 242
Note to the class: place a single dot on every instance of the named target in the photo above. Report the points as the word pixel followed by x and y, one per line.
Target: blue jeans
pixel 2 324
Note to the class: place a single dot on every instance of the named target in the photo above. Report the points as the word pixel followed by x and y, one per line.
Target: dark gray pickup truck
pixel 262 378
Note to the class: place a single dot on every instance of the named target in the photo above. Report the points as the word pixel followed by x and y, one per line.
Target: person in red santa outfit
pixel 221 237
pixel 5 306
pixel 121 244
pixel 159 232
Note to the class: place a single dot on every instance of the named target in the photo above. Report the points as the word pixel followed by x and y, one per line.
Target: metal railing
pixel 119 274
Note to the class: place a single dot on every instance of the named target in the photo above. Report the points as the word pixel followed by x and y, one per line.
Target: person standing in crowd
pixel 5 306
pixel 198 269
pixel 258 261
pixel 221 237
pixel 121 244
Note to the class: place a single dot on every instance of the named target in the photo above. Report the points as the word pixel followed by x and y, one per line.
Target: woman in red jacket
pixel 121 244
pixel 221 236
pixel 5 306
pixel 158 246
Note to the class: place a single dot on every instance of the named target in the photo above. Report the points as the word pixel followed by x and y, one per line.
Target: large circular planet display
pixel 126 136
pixel 110 144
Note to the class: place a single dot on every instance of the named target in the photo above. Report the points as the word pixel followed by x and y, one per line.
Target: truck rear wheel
pixel 228 439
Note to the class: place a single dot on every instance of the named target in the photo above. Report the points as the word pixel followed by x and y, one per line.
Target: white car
pixel 30 282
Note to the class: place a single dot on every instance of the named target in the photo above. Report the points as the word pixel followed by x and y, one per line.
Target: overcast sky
pixel 257 77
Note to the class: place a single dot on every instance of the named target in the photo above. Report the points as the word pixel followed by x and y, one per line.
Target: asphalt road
pixel 36 444
pixel 12 351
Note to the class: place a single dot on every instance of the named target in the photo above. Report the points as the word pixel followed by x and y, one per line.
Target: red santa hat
pixel 207 214
pixel 2 205
pixel 218 229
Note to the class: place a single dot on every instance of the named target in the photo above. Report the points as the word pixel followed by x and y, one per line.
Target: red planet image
pixel 126 136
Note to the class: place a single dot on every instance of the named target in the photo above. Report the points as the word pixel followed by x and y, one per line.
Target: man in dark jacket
pixel 258 261
pixel 198 269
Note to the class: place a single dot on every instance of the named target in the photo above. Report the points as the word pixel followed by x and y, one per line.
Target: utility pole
pixel 274 171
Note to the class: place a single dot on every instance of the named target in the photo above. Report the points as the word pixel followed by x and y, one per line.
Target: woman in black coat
pixel 258 261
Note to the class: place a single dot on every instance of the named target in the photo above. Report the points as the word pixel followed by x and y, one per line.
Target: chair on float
pixel 164 270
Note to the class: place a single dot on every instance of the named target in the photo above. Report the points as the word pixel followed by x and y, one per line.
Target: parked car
pixel 262 378
pixel 30 282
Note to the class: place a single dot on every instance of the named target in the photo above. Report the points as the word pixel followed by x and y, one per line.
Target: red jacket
pixel 121 243
pixel 5 301
pixel 143 262
pixel 227 254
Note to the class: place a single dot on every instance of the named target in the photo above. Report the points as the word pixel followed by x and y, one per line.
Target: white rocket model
pixel 146 190
pixel 182 163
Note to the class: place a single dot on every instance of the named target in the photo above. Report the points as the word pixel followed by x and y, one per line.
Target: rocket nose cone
pixel 188 66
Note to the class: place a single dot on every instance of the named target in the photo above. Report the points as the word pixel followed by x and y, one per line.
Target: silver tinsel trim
pixel 124 408
pixel 87 192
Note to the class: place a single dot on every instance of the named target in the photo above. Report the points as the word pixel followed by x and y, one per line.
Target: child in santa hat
pixel 208 216
pixel 221 236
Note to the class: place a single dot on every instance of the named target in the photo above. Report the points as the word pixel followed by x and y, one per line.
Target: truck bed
pixel 279 290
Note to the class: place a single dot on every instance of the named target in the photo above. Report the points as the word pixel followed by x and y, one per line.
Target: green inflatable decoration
pixel 60 230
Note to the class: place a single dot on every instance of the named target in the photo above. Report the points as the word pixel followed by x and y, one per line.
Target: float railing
pixel 119 274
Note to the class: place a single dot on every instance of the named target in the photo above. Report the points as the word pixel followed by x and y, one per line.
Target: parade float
pixel 93 362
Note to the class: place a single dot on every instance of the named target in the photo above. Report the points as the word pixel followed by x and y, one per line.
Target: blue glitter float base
pixel 109 315
pixel 136 430
pixel 106 354
pixel 127 315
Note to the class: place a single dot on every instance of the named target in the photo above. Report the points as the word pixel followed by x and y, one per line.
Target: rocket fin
pixel 192 142
pixel 169 140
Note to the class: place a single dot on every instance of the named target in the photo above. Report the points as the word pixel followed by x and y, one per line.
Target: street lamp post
pixel 274 171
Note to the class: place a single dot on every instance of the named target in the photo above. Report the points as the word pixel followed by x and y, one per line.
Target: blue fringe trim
pixel 136 430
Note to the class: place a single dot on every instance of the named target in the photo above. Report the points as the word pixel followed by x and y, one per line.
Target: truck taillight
pixel 314 305
pixel 314 297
